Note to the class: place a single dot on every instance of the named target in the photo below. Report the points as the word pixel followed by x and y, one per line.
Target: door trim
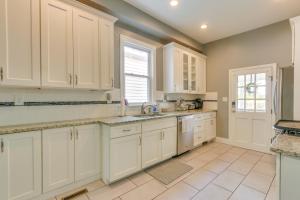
pixel 273 67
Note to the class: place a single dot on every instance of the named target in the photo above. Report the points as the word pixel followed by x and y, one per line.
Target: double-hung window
pixel 137 71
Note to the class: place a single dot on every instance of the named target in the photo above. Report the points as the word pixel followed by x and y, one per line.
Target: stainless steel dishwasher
pixel 185 137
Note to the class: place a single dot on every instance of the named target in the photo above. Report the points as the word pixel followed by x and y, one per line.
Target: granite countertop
pixel 287 145
pixel 111 121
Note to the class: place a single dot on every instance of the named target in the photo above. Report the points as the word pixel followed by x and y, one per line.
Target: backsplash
pixel 56 105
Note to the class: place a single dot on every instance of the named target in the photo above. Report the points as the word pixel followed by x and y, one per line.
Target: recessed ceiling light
pixel 173 3
pixel 204 26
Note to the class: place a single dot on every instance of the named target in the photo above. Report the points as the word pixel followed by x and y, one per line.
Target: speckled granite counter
pixel 287 145
pixel 112 121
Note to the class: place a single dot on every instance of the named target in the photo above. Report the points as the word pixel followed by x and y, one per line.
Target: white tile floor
pixel 220 172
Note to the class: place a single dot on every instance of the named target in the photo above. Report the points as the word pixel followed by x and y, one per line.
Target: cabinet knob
pixel 140 141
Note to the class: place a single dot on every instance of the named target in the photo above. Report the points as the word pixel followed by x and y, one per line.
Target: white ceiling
pixel 223 17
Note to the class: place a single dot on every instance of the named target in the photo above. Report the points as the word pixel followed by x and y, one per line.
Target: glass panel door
pixel 193 86
pixel 185 72
pixel 251 92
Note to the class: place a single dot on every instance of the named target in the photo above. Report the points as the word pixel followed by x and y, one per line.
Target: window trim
pixel 126 40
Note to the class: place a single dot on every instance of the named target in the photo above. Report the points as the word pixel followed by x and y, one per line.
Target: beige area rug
pixel 169 171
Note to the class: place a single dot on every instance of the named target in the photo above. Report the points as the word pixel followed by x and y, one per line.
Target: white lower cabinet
pixel 87 151
pixel 169 143
pixel 151 148
pixel 130 148
pixel 70 155
pixel 58 158
pixel 125 156
pixel 20 166
pixel 204 128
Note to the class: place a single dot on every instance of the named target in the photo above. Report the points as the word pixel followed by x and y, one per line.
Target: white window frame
pixel 126 40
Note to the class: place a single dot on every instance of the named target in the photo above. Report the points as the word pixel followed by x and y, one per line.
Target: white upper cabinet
pixel 20 43
pixel 201 75
pixel 86 50
pixel 21 166
pixel 184 70
pixel 106 30
pixel 77 47
pixel 57 44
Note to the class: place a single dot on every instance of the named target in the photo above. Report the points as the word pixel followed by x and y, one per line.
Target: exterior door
pixel 125 156
pixel 57 44
pixel 21 166
pixel 86 50
pixel 151 151
pixel 20 43
pixel 250 108
pixel 58 158
pixel 87 151
pixel 169 142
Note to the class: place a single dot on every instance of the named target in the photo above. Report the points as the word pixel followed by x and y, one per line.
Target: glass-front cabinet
pixel 184 70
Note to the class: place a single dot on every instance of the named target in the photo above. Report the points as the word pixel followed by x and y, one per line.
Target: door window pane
pixel 250 105
pixel 261 92
pixel 261 79
pixel 260 105
pixel 241 81
pixel 241 105
pixel 241 93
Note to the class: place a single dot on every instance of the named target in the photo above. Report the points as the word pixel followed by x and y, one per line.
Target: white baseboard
pixel 223 140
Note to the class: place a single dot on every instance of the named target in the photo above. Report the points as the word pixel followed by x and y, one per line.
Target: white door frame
pixel 274 68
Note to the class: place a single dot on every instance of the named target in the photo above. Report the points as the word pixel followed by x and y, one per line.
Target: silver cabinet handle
pixel 76 79
pixel 112 82
pixel 2 146
pixel 126 130
pixel 71 134
pixel 1 74
pixel 70 79
pixel 140 141
pixel 77 135
pixel 163 134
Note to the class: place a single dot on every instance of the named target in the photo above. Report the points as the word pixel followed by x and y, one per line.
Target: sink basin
pixel 149 115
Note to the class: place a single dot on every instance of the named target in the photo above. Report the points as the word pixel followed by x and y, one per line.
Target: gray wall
pixel 270 44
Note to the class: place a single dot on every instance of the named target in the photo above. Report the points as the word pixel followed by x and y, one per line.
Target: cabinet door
pixel 193 75
pixel 201 84
pixel 210 128
pixel 86 50
pixel 20 43
pixel 185 72
pixel 178 70
pixel 20 164
pixel 58 158
pixel 57 44
pixel 107 54
pixel 87 151
pixel 152 148
pixel 169 143
pixel 125 156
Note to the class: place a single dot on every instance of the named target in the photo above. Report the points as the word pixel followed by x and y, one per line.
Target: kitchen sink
pixel 150 115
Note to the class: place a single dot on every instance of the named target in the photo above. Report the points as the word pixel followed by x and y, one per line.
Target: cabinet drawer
pixel 159 124
pixel 129 129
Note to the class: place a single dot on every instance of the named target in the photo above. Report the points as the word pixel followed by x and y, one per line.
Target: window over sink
pixel 137 70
